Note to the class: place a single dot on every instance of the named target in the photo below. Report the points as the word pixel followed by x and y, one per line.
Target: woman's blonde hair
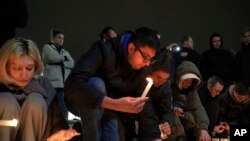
pixel 18 47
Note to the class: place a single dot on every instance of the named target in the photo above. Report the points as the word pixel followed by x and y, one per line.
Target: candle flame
pixel 147 88
pixel 14 122
pixel 149 79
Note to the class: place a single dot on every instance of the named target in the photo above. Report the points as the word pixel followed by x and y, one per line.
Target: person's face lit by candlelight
pixel 139 57
pixel 21 69
pixel 159 77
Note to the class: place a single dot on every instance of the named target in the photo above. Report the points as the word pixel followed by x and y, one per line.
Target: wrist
pixel 108 103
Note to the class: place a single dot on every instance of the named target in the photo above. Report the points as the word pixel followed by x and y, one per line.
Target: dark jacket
pixel 189 100
pixel 231 111
pixel 156 111
pixel 193 56
pixel 241 65
pixel 211 105
pixel 55 121
pixel 108 61
pixel 217 62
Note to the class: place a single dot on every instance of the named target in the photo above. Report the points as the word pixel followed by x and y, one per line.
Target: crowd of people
pixel 193 97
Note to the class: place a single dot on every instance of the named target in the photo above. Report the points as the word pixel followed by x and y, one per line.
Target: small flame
pixel 149 79
pixel 9 122
pixel 14 122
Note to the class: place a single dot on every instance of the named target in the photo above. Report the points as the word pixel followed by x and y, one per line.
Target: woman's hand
pixel 63 135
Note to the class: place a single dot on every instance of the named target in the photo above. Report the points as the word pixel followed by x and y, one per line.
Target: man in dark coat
pixel 217 61
pixel 209 95
pixel 107 77
pixel 242 59
pixel 235 106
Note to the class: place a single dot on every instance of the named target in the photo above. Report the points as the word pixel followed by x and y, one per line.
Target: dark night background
pixel 82 20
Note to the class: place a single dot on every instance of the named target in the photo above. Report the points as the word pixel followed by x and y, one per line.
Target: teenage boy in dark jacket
pixel 107 77
pixel 186 103
pixel 157 111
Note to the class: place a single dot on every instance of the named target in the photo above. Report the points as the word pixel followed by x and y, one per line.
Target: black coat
pixel 108 61
pixel 217 62
pixel 231 111
pixel 193 56
pixel 211 105
pixel 241 65
pixel 156 111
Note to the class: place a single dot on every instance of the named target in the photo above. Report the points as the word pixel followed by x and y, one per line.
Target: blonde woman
pixel 27 96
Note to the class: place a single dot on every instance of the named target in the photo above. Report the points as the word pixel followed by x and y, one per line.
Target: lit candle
pixel 8 122
pixel 147 88
pixel 215 139
pixel 224 139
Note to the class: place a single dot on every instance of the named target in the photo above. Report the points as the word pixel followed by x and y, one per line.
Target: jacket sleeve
pixel 165 105
pixel 200 113
pixel 50 55
pixel 76 87
pixel 148 123
pixel 69 64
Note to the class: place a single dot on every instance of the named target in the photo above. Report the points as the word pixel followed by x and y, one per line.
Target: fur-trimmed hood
pixel 187 70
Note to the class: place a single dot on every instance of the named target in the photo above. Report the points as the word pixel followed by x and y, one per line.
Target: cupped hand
pixel 63 135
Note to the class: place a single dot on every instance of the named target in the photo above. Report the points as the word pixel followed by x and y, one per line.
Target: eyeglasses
pixel 145 57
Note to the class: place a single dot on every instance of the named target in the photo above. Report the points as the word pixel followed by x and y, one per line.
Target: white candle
pixel 8 122
pixel 215 139
pixel 224 139
pixel 147 88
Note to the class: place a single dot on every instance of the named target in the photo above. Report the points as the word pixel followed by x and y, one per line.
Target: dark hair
pixel 211 39
pixel 164 61
pixel 54 32
pixel 105 32
pixel 184 39
pixel 145 36
pixel 247 29
pixel 215 79
pixel 241 88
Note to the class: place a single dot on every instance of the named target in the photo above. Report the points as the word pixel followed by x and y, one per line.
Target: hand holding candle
pixel 147 88
pixel 8 122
